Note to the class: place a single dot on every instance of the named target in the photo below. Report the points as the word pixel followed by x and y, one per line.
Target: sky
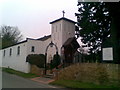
pixel 32 17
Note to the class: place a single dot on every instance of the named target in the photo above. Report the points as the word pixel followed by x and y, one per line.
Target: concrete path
pixel 13 81
pixel 42 80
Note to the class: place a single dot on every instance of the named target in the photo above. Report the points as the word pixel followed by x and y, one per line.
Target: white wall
pixel 68 30
pixel 61 31
pixel 40 48
pixel 37 44
pixel 56 32
pixel 17 62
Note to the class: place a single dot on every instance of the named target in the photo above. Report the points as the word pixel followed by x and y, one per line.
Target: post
pixel 45 63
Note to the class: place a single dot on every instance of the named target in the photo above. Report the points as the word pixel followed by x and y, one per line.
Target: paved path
pixel 42 80
pixel 13 81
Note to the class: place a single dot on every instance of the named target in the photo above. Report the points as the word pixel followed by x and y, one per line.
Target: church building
pixel 62 35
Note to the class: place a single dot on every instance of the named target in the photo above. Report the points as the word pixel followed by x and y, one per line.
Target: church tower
pixel 61 30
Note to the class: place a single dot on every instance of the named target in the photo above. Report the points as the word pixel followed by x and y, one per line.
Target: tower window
pixel 60 27
pixel 32 49
pixel 52 29
pixel 56 28
pixel 4 53
pixel 18 50
pixel 10 51
pixel 58 36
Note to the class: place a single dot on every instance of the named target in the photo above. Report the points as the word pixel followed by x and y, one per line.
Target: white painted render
pixel 17 62
pixel 60 32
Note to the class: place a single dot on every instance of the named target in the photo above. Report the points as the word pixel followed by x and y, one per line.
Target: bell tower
pixel 61 30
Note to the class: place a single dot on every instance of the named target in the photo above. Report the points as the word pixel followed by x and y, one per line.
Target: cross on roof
pixel 63 13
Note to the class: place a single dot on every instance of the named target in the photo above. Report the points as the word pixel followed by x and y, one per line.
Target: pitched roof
pixel 72 41
pixel 44 38
pixel 69 40
pixel 63 18
pixel 15 44
pixel 41 39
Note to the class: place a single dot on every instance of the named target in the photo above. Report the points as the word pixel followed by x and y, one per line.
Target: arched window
pixel 32 49
pixel 18 50
pixel 10 51
pixel 4 53
pixel 60 27
pixel 52 29
pixel 56 28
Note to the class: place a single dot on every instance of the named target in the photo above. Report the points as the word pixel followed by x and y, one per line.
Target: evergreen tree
pixel 95 24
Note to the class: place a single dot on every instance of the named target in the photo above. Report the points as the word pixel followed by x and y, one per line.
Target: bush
pixel 55 62
pixel 36 59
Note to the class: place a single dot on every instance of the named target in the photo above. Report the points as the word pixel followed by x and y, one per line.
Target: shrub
pixel 36 59
pixel 55 62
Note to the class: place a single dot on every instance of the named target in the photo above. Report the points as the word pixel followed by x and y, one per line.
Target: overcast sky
pixel 33 16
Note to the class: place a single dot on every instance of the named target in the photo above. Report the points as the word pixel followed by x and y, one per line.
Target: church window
pixel 60 27
pixel 10 51
pixel 64 26
pixel 54 36
pixel 4 53
pixel 56 44
pixel 56 28
pixel 52 29
pixel 58 36
pixel 32 49
pixel 18 50
pixel 68 27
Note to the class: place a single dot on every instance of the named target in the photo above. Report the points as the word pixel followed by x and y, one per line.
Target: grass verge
pixel 25 75
pixel 77 84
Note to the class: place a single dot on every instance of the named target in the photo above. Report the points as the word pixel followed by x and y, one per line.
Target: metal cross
pixel 63 12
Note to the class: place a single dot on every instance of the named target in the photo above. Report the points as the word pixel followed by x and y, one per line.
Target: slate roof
pixel 44 38
pixel 71 41
pixel 63 18
pixel 41 39
pixel 15 44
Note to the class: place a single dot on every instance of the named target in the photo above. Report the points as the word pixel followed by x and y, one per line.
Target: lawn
pixel 77 84
pixel 25 75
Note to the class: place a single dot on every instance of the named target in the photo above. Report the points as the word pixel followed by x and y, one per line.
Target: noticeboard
pixel 107 54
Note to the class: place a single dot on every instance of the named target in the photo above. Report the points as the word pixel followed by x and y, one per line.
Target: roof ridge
pixel 63 19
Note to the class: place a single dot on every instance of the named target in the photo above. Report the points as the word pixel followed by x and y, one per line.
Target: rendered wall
pixel 40 48
pixel 61 31
pixel 17 62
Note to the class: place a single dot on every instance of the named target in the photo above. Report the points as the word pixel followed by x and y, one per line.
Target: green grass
pixel 25 75
pixel 77 84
